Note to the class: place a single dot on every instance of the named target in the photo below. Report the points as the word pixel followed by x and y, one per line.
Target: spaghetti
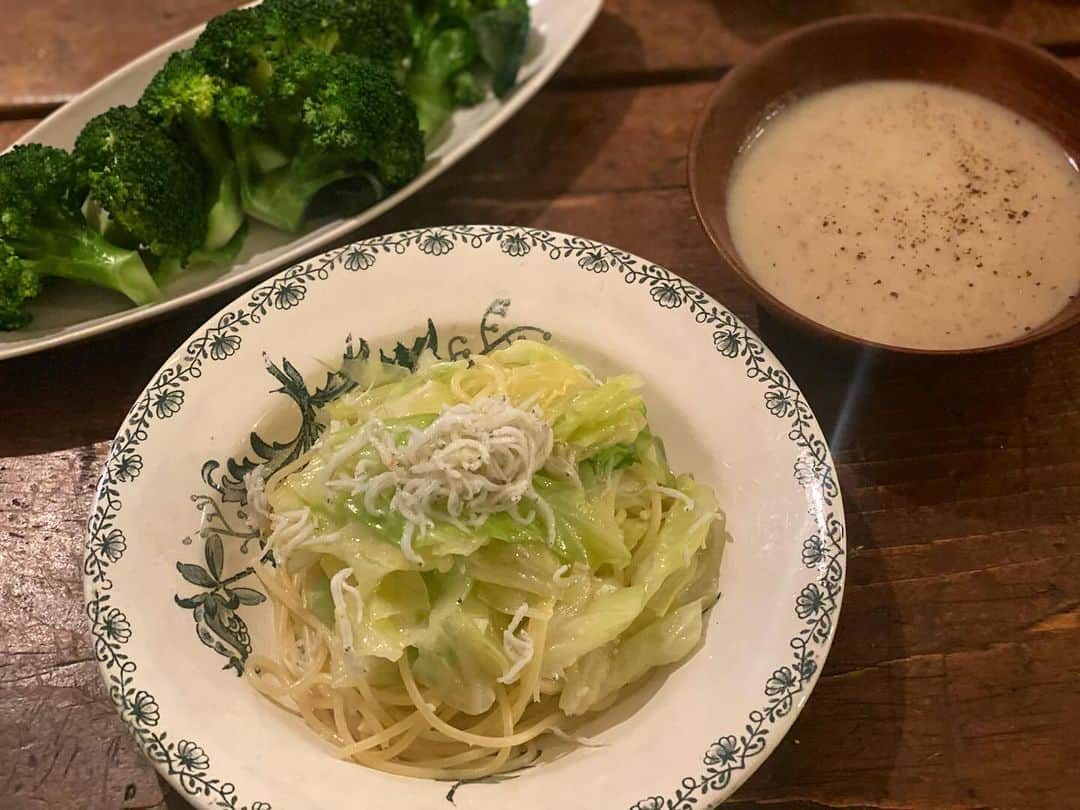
pixel 472 556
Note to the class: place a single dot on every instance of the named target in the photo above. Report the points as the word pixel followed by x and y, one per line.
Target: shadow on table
pixel 173 800
pixel 941 412
pixel 77 395
pixel 919 412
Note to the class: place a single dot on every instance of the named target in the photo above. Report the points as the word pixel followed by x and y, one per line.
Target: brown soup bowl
pixel 864 47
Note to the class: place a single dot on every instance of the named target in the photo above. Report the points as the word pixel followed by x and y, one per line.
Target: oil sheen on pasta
pixel 910 214
pixel 472 556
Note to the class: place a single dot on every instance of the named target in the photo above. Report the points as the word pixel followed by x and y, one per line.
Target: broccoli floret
pixel 237 47
pixel 43 234
pixel 243 45
pixel 185 96
pixel 432 79
pixel 379 30
pixel 295 24
pixel 466 90
pixel 19 283
pixel 149 183
pixel 452 40
pixel 330 117
pixel 501 28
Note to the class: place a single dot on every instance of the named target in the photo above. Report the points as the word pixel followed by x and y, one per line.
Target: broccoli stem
pixel 223 255
pixel 82 255
pixel 225 214
pixel 171 269
pixel 434 102
pixel 266 157
pixel 429 82
pixel 280 198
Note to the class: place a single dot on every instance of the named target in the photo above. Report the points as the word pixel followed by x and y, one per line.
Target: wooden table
pixel 954 681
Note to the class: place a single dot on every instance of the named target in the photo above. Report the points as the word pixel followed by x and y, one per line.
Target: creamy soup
pixel 910 214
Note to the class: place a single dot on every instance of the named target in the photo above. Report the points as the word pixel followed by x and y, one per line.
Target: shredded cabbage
pixel 446 514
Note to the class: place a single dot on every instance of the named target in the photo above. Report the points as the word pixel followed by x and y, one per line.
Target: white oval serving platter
pixel 67 313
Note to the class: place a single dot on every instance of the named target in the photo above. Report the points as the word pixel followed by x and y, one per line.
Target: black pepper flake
pixel 894 294
pixel 860 255
pixel 877 282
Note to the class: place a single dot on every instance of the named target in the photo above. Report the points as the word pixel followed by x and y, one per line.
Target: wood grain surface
pixel 954 681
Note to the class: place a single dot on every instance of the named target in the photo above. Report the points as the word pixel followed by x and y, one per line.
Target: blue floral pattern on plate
pixel 215 605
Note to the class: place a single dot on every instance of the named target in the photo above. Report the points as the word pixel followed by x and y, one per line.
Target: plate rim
pixel 728 762
pixel 303 245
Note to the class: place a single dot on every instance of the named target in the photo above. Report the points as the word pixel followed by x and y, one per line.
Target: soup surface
pixel 910 214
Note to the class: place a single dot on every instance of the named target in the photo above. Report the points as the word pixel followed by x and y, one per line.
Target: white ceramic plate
pixel 175 609
pixel 66 313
